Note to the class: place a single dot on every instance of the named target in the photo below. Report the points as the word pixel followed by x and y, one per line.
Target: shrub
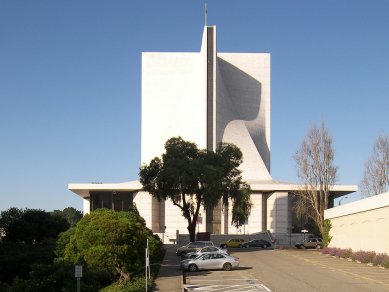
pixel 136 285
pixel 381 259
pixel 363 256
pixel 344 253
pixel 326 232
pixel 385 263
pixel 332 251
pixel 378 259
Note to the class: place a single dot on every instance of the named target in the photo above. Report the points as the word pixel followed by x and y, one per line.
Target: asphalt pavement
pixel 169 276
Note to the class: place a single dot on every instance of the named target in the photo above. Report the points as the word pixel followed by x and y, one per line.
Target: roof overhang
pixel 279 186
pixel 83 190
pixel 267 186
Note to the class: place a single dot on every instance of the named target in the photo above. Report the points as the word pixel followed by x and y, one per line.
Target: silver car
pixel 195 254
pixel 192 246
pixel 210 261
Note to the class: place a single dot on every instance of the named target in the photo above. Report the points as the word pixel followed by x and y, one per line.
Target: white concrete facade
pixel 361 225
pixel 205 97
pixel 179 98
pixel 173 101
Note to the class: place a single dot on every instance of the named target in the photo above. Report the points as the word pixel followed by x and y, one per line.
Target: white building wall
pixel 173 101
pixel 243 109
pixel 86 206
pixel 277 212
pixel 143 202
pixel 255 218
pixel 174 220
pixel 361 225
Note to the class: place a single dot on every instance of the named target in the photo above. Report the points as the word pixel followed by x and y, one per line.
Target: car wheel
pixel 227 267
pixel 265 246
pixel 318 246
pixel 223 246
pixel 192 268
pixel 240 245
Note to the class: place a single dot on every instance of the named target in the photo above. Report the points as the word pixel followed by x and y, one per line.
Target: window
pixel 206 257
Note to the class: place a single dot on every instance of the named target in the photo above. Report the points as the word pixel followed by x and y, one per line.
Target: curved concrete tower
pixel 208 97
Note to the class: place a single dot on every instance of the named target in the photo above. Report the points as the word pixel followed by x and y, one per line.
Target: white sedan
pixel 210 261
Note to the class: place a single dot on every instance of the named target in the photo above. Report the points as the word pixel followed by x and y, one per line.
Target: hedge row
pixel 377 259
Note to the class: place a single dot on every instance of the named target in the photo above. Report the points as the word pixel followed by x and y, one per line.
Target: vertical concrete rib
pixel 210 89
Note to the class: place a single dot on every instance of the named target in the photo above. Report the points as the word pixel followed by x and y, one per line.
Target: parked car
pixel 210 261
pixel 233 242
pixel 192 246
pixel 257 243
pixel 310 243
pixel 195 254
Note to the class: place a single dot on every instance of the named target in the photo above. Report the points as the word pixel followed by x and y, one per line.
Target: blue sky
pixel 70 83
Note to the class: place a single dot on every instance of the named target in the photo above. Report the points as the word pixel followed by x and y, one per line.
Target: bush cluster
pixel 380 259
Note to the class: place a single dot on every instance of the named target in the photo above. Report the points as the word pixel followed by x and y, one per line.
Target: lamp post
pixel 199 221
pixel 346 197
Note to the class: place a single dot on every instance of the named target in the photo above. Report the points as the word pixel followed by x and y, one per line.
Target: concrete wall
pixel 255 218
pixel 144 203
pixel 361 225
pixel 86 205
pixel 243 109
pixel 173 101
pixel 277 212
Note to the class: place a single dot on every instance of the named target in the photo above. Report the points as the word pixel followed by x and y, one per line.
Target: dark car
pixel 310 243
pixel 257 243
pixel 192 247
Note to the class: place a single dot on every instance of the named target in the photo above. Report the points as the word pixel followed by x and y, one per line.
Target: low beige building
pixel 361 225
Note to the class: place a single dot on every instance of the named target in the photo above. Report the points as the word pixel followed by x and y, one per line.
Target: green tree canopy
pixel 111 241
pixel 72 215
pixel 191 178
pixel 30 225
pixel 9 216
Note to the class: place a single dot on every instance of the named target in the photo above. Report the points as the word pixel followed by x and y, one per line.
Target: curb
pixel 183 280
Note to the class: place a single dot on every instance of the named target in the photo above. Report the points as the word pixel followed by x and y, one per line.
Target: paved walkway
pixel 169 276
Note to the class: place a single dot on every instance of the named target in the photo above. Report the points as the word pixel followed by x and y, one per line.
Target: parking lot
pixel 290 270
pixel 237 280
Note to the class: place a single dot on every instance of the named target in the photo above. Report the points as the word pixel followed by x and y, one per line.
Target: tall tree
pixel 192 178
pixel 314 164
pixel 376 175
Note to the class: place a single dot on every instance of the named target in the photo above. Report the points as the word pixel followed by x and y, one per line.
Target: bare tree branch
pixel 376 175
pixel 314 164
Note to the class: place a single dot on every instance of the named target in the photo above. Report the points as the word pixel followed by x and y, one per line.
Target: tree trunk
pixel 123 274
pixel 192 231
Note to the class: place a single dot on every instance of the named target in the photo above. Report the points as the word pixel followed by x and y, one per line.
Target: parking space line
pixel 246 284
pixel 199 280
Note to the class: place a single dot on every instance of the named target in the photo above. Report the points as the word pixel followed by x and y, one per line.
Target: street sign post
pixel 78 275
pixel 304 231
